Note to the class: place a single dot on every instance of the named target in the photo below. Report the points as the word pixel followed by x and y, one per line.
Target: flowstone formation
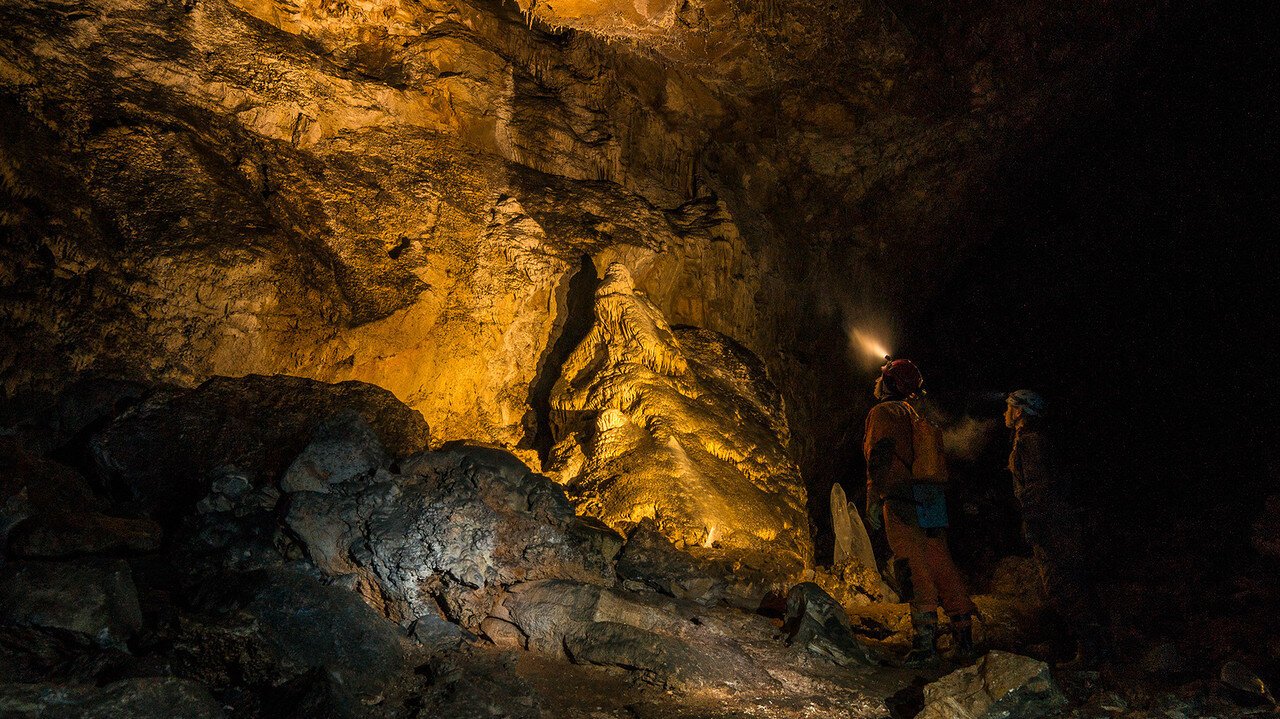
pixel 681 427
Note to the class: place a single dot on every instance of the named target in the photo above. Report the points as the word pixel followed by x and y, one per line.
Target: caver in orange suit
pixel 889 452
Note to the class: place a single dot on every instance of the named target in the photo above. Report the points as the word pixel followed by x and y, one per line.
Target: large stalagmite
pixel 681 426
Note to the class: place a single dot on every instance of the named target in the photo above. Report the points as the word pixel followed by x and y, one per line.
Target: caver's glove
pixel 875 514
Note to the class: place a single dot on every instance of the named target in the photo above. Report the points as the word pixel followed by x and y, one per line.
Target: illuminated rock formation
pixel 397 192
pixel 678 426
pixel 449 533
pixel 390 192
pixel 999 684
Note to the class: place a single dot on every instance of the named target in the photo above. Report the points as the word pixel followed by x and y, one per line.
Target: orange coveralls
pixel 889 453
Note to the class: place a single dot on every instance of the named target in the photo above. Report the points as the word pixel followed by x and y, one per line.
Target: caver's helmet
pixel 902 378
pixel 1027 401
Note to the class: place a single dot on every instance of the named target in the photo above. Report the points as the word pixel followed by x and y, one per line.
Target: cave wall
pixel 401 192
pixel 388 193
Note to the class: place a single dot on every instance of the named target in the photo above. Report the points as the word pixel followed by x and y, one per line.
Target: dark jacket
pixel 1039 483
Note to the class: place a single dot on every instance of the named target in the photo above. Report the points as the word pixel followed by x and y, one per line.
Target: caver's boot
pixel 962 637
pixel 923 650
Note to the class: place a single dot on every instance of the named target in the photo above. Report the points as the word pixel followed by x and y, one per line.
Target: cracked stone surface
pixel 448 533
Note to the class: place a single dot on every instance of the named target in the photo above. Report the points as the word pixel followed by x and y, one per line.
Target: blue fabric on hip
pixel 931 505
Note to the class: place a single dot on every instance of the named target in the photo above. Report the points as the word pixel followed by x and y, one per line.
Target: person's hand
pixel 875 514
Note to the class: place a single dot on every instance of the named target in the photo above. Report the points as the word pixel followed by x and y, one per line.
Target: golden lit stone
pixel 681 426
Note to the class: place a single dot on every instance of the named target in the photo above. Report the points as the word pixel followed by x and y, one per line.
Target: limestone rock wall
pixel 389 192
pixel 400 192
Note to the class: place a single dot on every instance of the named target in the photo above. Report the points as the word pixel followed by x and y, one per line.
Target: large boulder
pixel 342 447
pixel 998 686
pixel 274 627
pixel 650 561
pixel 94 598
pixel 591 624
pixel 682 427
pixel 49 510
pixel 448 532
pixel 148 698
pixel 816 623
pixel 168 450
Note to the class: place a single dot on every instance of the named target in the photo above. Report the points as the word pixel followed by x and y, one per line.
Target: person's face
pixel 1011 415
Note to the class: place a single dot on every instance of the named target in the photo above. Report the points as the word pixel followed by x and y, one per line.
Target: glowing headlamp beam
pixel 870 345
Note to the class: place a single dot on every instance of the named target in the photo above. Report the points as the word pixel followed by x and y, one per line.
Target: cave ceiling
pixel 400 191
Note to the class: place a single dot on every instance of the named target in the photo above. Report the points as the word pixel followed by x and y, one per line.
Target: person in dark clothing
pixel 1050 526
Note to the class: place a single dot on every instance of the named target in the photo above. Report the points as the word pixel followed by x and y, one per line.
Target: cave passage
pixel 459 358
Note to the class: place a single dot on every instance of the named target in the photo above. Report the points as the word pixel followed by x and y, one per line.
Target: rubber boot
pixel 962 637
pixel 924 651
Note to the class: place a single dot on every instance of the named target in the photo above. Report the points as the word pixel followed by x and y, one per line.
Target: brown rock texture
pixel 999 684
pixel 332 191
pixel 398 192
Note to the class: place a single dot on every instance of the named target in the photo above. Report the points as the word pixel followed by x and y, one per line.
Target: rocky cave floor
pixel 280 547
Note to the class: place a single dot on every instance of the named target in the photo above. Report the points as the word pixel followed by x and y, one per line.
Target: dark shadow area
pixel 1133 287
pixel 578 314
pixel 907 702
